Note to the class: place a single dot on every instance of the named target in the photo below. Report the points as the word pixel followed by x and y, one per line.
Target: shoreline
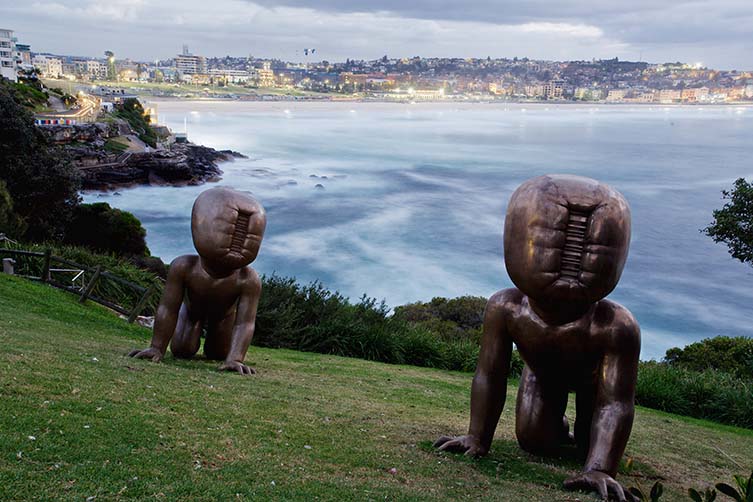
pixel 173 99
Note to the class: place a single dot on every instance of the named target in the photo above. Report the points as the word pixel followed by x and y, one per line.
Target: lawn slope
pixel 78 420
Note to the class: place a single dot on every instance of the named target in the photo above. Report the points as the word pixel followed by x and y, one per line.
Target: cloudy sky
pixel 718 33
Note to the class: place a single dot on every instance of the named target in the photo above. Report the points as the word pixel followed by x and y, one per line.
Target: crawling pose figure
pixel 215 291
pixel 566 240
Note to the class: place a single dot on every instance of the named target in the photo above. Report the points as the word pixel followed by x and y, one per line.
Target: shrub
pixel 312 318
pixel 722 353
pixel 133 113
pixel 106 288
pixel 710 395
pixel 456 318
pixel 107 230
pixel 10 223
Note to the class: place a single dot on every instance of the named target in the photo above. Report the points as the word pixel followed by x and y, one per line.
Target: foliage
pixel 312 319
pixel 657 490
pixel 107 230
pixel 112 145
pixel 41 182
pixel 743 492
pixel 10 223
pixel 30 95
pixel 133 113
pixel 733 223
pixel 709 495
pixel 108 289
pixel 721 353
pixel 456 318
pixel 710 395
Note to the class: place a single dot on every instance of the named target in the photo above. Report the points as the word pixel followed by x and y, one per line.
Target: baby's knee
pixel 183 349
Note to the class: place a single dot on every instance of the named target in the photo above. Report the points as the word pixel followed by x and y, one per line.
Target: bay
pixel 405 202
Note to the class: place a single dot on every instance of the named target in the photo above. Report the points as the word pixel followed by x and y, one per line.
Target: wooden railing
pixel 86 288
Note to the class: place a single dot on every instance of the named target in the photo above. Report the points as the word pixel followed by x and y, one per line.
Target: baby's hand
pixel 599 482
pixel 236 366
pixel 152 353
pixel 461 444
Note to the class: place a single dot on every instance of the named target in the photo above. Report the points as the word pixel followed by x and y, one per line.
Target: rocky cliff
pixel 102 168
pixel 181 164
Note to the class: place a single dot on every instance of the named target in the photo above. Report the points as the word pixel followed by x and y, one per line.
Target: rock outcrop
pixel 181 164
pixel 104 169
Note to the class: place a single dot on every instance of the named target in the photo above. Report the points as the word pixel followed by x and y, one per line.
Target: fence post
pixel 46 269
pixel 90 287
pixel 141 304
pixel 8 266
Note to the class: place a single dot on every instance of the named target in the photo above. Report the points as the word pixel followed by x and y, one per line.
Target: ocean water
pixel 412 198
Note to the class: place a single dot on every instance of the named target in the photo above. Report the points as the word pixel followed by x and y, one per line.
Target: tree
pixel 10 223
pixel 733 223
pixel 42 184
pixel 721 353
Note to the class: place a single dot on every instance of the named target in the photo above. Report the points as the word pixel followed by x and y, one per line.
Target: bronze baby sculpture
pixel 566 240
pixel 215 291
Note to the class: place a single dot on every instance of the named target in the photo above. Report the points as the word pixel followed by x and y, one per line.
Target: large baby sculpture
pixel 566 240
pixel 214 292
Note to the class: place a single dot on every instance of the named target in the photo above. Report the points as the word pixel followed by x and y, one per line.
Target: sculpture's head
pixel 566 239
pixel 227 227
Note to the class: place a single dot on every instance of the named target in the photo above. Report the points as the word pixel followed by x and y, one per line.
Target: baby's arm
pixel 489 388
pixel 615 395
pixel 167 313
pixel 613 410
pixel 245 323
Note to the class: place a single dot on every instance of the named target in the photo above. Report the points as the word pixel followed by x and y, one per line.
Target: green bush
pixel 711 395
pixel 451 319
pixel 133 113
pixel 313 319
pixel 107 289
pixel 106 230
pixel 10 223
pixel 721 353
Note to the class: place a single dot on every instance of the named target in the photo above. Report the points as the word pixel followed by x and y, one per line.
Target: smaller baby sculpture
pixel 566 241
pixel 215 291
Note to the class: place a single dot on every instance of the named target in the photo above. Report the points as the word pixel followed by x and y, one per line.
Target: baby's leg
pixel 219 337
pixel 539 424
pixel 584 411
pixel 187 337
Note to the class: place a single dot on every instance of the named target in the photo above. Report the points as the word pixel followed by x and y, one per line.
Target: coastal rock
pixel 97 132
pixel 182 164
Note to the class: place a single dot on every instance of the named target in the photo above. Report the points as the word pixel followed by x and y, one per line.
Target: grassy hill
pixel 78 419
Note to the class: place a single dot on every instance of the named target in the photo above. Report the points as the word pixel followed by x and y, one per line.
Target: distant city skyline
pixel 718 34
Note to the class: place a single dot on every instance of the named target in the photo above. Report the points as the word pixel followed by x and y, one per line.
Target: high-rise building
pixel 190 64
pixel 8 58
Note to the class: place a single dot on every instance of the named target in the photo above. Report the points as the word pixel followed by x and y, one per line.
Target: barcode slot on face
pixel 575 240
pixel 239 234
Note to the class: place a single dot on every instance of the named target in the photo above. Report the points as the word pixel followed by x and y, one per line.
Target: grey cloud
pixel 642 21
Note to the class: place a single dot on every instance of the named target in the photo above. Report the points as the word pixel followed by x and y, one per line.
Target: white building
pixel 8 59
pixel 47 66
pixel 93 69
pixel 231 76
pixel 189 64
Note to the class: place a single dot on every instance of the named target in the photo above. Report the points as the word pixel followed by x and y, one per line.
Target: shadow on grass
pixel 507 461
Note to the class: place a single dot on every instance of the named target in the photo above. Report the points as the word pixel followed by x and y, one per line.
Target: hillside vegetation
pixel 78 420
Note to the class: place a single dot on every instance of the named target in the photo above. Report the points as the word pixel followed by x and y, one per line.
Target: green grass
pixel 115 146
pixel 116 428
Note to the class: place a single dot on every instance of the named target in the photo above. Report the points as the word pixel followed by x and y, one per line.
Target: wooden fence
pixel 85 281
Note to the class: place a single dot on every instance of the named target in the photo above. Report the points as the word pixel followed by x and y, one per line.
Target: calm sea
pixel 407 202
